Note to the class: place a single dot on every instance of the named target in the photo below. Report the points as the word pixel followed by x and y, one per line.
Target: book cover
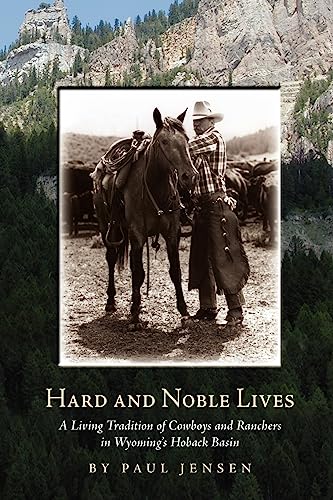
pixel 172 410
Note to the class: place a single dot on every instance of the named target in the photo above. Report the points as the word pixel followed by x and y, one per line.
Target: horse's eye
pixel 165 141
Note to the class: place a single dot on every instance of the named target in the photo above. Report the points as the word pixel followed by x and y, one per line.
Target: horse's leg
pixel 175 273
pixel 111 252
pixel 111 258
pixel 75 213
pixel 138 276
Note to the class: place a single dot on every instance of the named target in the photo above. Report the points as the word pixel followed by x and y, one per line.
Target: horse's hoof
pixel 186 321
pixel 110 308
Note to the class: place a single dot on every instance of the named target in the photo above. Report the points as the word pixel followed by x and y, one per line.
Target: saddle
pixel 110 177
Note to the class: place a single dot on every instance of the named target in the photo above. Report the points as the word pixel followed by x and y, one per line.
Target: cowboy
pixel 217 257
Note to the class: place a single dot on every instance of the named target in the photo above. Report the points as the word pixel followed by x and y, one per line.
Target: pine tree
pixel 284 485
pixel 77 65
pixel 116 25
pixel 246 488
pixel 56 73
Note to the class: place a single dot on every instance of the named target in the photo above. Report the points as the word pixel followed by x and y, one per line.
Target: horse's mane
pixel 174 123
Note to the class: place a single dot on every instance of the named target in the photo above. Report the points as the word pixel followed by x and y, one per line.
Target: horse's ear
pixel 157 118
pixel 182 115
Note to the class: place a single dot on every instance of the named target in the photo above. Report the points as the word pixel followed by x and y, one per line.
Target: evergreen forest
pixel 38 461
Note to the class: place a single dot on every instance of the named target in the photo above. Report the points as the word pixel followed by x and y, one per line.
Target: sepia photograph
pixel 169 227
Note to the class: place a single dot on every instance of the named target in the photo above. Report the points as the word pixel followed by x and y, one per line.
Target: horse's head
pixel 173 151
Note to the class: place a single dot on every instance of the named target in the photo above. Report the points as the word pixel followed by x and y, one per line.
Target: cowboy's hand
pixel 231 202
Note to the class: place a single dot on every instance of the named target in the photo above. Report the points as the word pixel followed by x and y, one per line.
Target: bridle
pixel 173 181
pixel 173 177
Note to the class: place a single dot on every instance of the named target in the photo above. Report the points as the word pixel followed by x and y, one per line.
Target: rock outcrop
pixel 237 39
pixel 47 184
pixel 178 44
pixel 262 42
pixel 288 96
pixel 185 79
pixel 47 26
pixel 47 23
pixel 324 103
pixel 317 122
pixel 329 153
pixel 38 55
pixel 305 28
pixel 120 56
pixel 115 57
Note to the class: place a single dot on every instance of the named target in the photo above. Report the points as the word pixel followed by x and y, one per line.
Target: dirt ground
pixel 89 336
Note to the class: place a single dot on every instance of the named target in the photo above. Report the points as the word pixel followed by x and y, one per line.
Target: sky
pixel 12 13
pixel 117 112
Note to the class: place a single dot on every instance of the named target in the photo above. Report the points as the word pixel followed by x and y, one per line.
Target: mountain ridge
pixel 229 43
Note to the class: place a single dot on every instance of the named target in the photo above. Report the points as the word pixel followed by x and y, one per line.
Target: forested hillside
pixel 38 461
pixel 307 185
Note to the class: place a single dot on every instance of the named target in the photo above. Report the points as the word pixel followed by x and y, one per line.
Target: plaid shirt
pixel 208 153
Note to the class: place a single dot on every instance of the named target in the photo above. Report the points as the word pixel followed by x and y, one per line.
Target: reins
pixel 158 210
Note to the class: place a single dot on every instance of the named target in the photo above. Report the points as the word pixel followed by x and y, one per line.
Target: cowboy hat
pixel 202 110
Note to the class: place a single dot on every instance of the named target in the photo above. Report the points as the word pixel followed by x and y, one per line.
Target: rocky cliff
pixel 125 55
pixel 257 42
pixel 325 101
pixel 307 129
pixel 49 29
pixel 47 23
pixel 324 104
pixel 116 57
pixel 262 42
pixel 178 44
pixel 237 39
pixel 288 95
pixel 248 42
pixel 38 55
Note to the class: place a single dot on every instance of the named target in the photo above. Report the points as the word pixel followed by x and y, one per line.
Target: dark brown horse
pixel 152 206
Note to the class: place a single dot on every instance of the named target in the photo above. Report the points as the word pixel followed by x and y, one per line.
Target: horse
pixel 151 207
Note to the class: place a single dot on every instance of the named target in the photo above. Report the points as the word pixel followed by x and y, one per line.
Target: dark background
pixel 38 461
